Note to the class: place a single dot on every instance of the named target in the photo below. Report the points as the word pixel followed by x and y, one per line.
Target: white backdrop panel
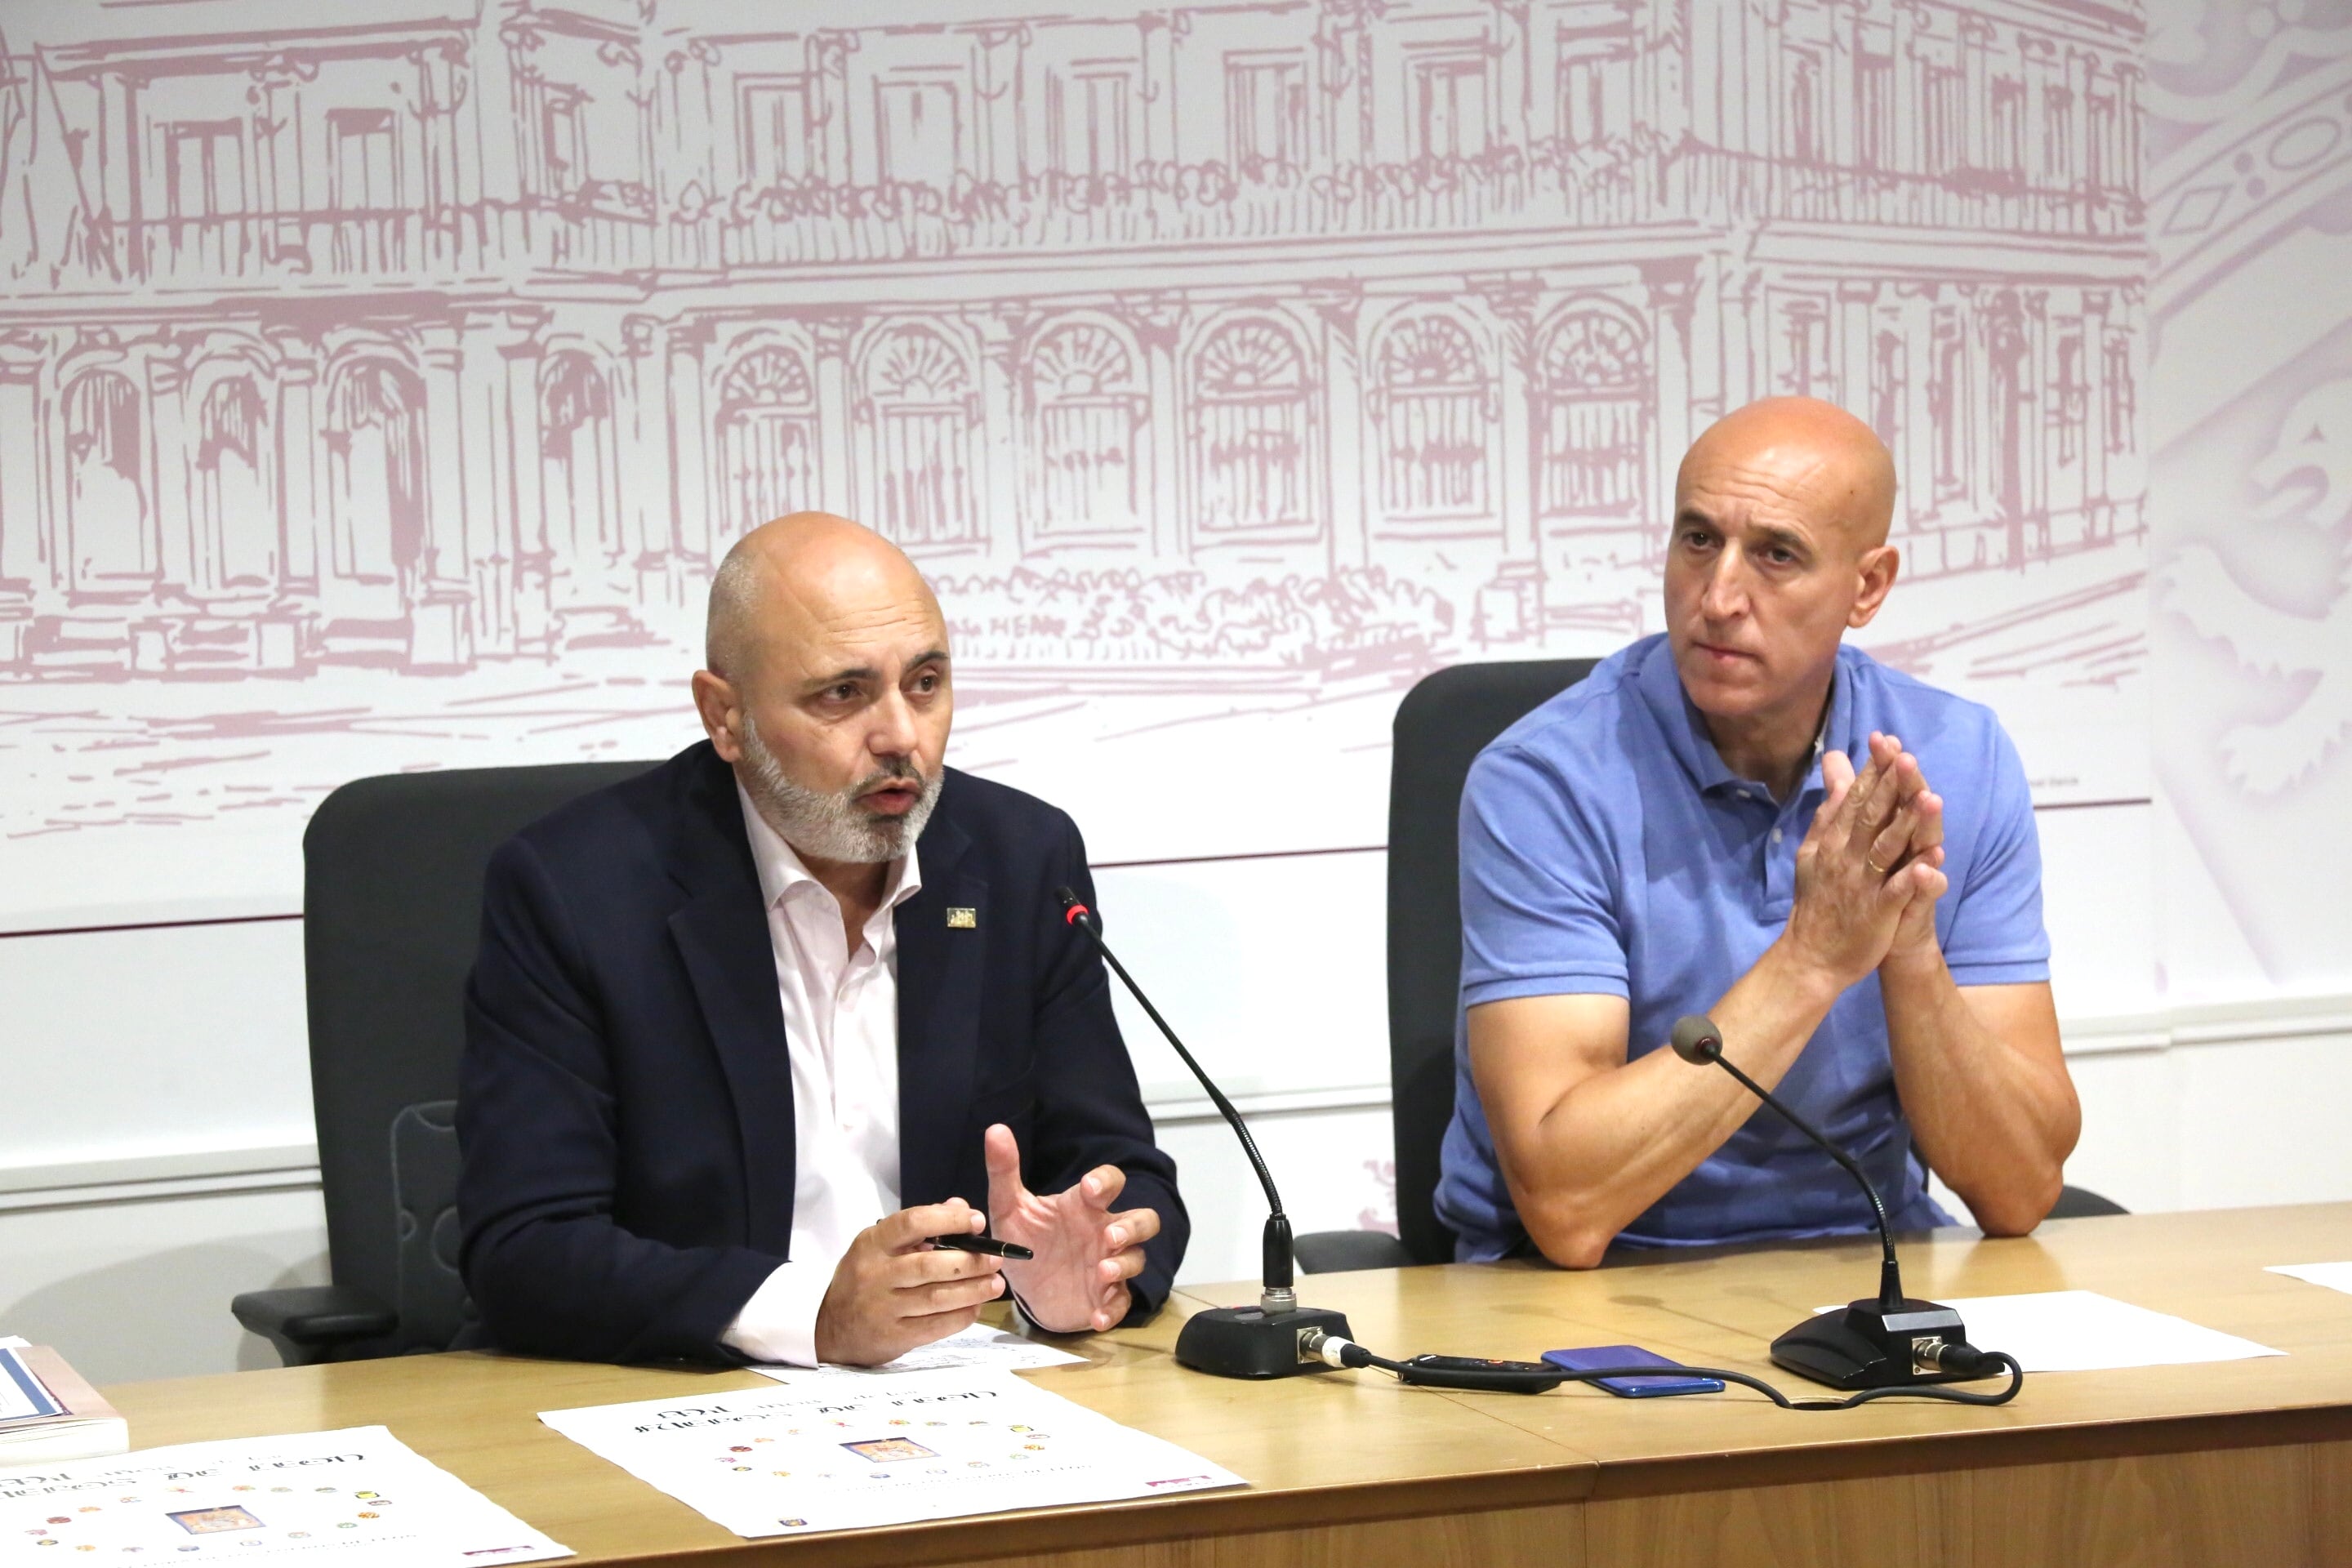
pixel 130 1045
pixel 2250 143
pixel 1270 970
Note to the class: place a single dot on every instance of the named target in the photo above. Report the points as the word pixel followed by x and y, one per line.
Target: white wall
pixel 136 1046
pixel 133 1280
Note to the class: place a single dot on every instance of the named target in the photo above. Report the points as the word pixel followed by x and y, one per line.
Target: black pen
pixel 986 1245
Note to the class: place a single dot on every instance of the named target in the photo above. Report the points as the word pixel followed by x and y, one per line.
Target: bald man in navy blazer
pixel 747 1031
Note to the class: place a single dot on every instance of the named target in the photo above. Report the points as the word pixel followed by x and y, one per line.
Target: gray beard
pixel 830 826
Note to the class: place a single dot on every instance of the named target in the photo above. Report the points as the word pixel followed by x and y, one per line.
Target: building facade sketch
pixel 389 368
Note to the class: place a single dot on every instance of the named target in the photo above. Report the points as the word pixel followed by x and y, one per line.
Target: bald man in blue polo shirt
pixel 1686 831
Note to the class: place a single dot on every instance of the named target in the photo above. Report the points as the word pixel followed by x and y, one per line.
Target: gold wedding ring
pixel 1875 867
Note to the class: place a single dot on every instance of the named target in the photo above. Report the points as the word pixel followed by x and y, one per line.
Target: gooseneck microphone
pixel 1268 1339
pixel 1890 1342
pixel 1695 1041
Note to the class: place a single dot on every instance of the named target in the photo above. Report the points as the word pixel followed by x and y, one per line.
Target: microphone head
pixel 1697 1040
pixel 1066 895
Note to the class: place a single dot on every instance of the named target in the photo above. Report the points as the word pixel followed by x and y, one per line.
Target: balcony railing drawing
pixel 1733 186
pixel 407 244
pixel 811 222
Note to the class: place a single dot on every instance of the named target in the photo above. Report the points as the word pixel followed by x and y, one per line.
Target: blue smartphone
pixel 1675 1381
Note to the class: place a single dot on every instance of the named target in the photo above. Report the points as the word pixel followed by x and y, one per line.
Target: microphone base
pixel 1868 1346
pixel 1249 1342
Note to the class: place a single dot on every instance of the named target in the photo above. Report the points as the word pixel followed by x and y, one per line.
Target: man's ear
pixel 1876 571
pixel 720 709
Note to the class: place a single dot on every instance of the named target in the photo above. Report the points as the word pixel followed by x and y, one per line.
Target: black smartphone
pixel 1674 1380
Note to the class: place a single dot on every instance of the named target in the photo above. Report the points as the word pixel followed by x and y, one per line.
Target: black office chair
pixel 2081 1203
pixel 1442 725
pixel 391 904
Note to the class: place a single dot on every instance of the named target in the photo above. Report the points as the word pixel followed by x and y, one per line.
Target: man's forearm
pixel 1615 1142
pixel 1992 1117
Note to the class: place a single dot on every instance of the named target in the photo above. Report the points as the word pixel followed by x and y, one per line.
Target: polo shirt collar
pixel 1684 727
pixel 1837 725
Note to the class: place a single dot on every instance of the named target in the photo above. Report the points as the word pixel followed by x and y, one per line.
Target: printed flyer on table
pixel 357 1495
pixel 922 1445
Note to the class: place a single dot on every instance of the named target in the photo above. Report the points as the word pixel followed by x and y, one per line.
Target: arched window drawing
pixel 919 393
pixel 1804 108
pixel 2011 350
pixel 1252 429
pixel 376 452
pixel 767 438
pixel 113 542
pixel 237 525
pixel 1433 402
pixel 1088 405
pixel 579 501
pixel 1948 407
pixel 2069 400
pixel 1890 357
pixel 1801 352
pixel 2122 393
pixel 1593 389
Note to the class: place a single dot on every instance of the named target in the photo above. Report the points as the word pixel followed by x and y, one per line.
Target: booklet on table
pixel 49 1413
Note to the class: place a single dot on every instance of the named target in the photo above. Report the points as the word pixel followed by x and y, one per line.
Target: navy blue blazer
pixel 624 1108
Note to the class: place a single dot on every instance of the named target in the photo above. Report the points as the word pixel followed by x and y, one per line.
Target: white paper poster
pixel 843 1455
pixel 2334 1276
pixel 357 1495
pixel 2082 1330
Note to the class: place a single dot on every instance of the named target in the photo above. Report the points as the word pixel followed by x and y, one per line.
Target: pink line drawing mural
pixel 2313 440
pixel 379 391
pixel 2251 143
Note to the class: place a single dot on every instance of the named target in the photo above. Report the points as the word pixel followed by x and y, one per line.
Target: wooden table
pixel 2228 1463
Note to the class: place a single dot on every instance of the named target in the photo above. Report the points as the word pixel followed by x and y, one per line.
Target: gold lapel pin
pixel 964 919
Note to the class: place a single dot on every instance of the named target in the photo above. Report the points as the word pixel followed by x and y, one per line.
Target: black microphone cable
pixel 1468 1373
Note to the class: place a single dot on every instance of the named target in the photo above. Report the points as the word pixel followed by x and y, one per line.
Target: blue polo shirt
pixel 1607 850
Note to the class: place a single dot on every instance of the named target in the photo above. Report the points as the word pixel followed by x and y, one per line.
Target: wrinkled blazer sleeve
pixel 547 1266
pixel 1089 1108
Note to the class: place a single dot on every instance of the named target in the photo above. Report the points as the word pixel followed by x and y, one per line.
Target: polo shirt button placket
pixel 1778 880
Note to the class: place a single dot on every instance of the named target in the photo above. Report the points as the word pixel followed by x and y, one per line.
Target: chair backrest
pixel 392 905
pixel 1442 725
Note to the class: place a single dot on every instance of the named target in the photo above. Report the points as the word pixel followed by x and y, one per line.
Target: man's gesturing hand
pixel 1874 849
pixel 892 1291
pixel 1085 1253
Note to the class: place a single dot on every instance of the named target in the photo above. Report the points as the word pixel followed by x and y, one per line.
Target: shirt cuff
pixel 778 1324
pixel 1997 972
pixel 1564 983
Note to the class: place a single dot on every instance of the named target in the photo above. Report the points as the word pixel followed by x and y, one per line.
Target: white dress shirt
pixel 840 1030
